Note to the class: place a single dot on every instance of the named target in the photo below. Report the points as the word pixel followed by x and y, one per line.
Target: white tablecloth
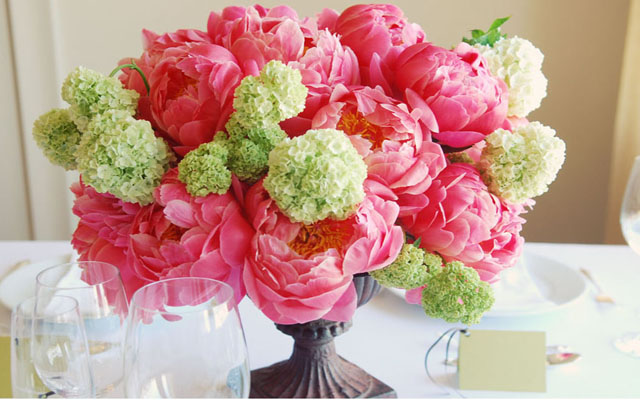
pixel 389 337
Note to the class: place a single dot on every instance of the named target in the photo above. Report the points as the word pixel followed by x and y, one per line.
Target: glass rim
pixel 20 311
pixel 228 297
pixel 45 271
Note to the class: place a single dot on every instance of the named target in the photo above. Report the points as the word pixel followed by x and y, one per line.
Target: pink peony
pixel 327 19
pixel 328 63
pixel 399 171
pixel 458 218
pixel 322 67
pixel 91 247
pixel 103 231
pixel 467 101
pixel 179 236
pixel 377 33
pixel 154 46
pixel 192 89
pixel 376 29
pixel 369 117
pixel 233 22
pixel 104 213
pixel 257 35
pixel 298 273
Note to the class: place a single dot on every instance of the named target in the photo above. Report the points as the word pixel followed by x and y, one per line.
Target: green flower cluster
pixel 520 165
pixel 204 169
pixel 261 103
pixel 122 156
pixel 249 146
pixel 57 136
pixel 273 96
pixel 90 93
pixel 409 270
pixel 98 135
pixel 317 175
pixel 453 292
pixel 456 293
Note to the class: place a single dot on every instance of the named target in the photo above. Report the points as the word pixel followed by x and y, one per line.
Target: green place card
pixel 513 361
pixel 5 367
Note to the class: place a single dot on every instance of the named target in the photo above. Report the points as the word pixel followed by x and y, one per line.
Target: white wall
pixel 582 41
pixel 14 206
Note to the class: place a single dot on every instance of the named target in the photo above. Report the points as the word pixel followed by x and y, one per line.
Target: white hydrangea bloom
pixel 520 165
pixel 519 64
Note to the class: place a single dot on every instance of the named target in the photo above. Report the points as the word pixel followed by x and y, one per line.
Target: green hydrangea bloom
pixel 409 270
pixel 249 147
pixel 317 175
pixel 455 293
pixel 122 156
pixel 273 96
pixel 90 93
pixel 58 137
pixel 520 165
pixel 204 169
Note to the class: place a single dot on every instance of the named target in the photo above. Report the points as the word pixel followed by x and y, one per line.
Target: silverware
pixel 562 358
pixel 601 296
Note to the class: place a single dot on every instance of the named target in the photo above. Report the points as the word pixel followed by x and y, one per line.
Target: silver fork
pixel 601 296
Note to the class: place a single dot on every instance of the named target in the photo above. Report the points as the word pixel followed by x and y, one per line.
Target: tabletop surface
pixel 389 338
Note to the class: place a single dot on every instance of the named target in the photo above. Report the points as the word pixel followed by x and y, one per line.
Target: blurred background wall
pixel 583 41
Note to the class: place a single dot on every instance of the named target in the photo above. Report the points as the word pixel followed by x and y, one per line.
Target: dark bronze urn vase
pixel 315 369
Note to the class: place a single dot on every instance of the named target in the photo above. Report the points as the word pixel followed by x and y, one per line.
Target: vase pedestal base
pixel 314 369
pixel 274 382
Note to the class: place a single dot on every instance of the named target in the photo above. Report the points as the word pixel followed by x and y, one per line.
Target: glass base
pixel 629 344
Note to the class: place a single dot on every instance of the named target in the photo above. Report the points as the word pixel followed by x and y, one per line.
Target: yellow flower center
pixel 354 123
pixel 182 85
pixel 322 236
pixel 173 232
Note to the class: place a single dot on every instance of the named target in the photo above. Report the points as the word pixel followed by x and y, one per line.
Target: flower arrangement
pixel 284 155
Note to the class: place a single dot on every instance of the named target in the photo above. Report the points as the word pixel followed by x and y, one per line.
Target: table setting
pixel 338 180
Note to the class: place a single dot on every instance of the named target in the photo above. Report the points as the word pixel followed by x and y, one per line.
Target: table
pixel 389 337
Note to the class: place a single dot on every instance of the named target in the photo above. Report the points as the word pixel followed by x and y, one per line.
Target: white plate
pixel 557 284
pixel 545 285
pixel 20 284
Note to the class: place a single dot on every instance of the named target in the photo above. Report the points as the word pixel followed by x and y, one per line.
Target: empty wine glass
pixel 98 288
pixel 49 351
pixel 25 382
pixel 630 223
pixel 185 339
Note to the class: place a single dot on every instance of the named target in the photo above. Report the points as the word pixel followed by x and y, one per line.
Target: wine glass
pixel 630 223
pixel 98 288
pixel 25 382
pixel 49 349
pixel 185 339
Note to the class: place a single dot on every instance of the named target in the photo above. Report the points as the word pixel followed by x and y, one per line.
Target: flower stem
pixel 135 67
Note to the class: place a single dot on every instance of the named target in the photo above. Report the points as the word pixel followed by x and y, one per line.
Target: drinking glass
pixel 98 288
pixel 630 223
pixel 25 382
pixel 185 339
pixel 49 350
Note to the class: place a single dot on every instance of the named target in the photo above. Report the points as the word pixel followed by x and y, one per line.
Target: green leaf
pixel 489 37
pixel 417 242
pixel 498 23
